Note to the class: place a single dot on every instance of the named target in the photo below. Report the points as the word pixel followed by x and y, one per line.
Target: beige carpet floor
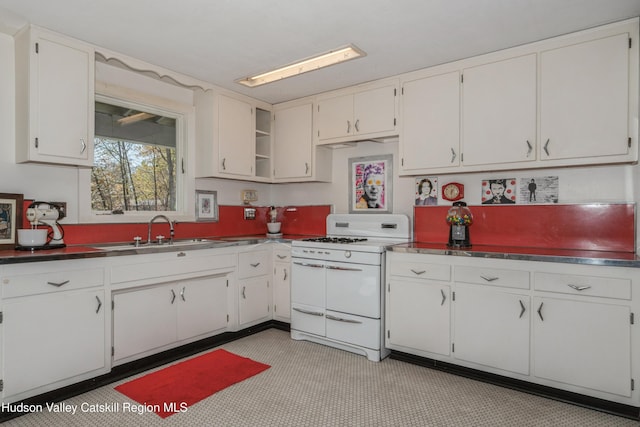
pixel 312 385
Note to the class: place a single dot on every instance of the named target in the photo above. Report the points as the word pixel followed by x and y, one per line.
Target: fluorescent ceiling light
pixel 310 64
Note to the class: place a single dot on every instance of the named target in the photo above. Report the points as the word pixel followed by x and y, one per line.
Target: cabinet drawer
pixel 607 287
pixel 51 281
pixel 421 270
pixel 282 255
pixel 252 264
pixel 492 276
pixel 353 329
pixel 308 318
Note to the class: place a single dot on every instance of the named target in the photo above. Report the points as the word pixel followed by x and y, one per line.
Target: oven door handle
pixel 306 264
pixel 313 313
pixel 333 267
pixel 340 319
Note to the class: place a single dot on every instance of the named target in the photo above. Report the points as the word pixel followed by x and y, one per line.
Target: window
pixel 135 156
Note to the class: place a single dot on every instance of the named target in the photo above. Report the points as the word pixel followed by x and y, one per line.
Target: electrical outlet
pixel 62 208
pixel 249 213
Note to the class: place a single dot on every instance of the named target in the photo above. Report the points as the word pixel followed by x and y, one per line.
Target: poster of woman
pixel 370 184
pixel 426 191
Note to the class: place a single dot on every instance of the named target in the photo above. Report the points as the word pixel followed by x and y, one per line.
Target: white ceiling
pixel 219 41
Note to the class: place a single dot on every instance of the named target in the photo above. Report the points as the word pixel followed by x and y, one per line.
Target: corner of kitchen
pixel 476 217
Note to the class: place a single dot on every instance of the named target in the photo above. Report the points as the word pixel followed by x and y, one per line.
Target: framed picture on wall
pixel 426 193
pixel 11 206
pixel 206 206
pixel 370 184
pixel 499 191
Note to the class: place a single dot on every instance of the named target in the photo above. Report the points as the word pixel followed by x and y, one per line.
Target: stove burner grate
pixel 335 239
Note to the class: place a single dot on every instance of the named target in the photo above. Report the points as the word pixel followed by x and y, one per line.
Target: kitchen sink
pixel 165 246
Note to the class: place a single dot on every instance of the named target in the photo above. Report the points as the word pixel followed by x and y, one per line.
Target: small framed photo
pixel 538 190
pixel 370 184
pixel 11 206
pixel 499 191
pixel 426 193
pixel 206 206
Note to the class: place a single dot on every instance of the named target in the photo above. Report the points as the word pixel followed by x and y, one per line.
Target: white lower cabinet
pixel 155 317
pixel 282 283
pixel 254 286
pixel 418 316
pixel 491 328
pixel 161 301
pixel 54 323
pixel 566 326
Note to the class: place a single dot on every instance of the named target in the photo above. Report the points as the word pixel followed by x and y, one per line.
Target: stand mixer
pixel 47 213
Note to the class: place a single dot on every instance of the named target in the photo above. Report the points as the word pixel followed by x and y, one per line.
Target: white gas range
pixel 336 282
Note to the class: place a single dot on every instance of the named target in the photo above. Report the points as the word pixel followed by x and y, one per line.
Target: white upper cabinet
pixel 430 122
pixel 54 99
pixel 584 99
pixel 235 137
pixel 293 142
pixel 567 101
pixel 499 112
pixel 355 116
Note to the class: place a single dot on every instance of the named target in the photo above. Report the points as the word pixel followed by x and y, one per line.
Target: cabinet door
pixel 491 328
pixel 499 112
pixel 584 99
pixel 335 117
pixel 254 300
pixel 202 306
pixel 62 103
pixel 235 137
pixel 418 315
pixel 374 110
pixel 144 320
pixel 584 344
pixel 282 291
pixel 52 337
pixel 430 136
pixel 293 142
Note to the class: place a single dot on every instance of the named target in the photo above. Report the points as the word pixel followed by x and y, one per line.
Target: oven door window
pixel 353 288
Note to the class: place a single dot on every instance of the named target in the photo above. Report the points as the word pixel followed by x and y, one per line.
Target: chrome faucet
pixel 171 232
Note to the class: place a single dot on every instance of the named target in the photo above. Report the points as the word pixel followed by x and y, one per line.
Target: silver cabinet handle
pixel 306 264
pixel 224 161
pixel 453 155
pixel 57 285
pixel 489 278
pixel 255 265
pixel 99 305
pixel 84 145
pixel 333 267
pixel 313 313
pixel 348 126
pixel 243 294
pixel 444 298
pixel 356 125
pixel 522 309
pixel 546 149
pixel 182 294
pixel 173 296
pixel 281 256
pixel 340 319
pixel 540 311
pixel 578 287
pixel 306 168
pixel 529 148
pixel 418 272
pixel 285 274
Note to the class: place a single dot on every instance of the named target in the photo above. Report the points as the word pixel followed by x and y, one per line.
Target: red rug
pixel 175 388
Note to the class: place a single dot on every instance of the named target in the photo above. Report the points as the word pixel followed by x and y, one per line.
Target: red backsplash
pixel 303 220
pixel 599 227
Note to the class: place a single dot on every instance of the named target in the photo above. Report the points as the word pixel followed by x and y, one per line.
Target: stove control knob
pixel 347 254
pixel 327 253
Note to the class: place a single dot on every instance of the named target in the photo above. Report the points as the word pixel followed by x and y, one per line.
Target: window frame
pixel 185 148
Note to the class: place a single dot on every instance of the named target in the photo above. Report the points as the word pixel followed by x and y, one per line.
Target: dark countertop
pixel 615 259
pixel 11 256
